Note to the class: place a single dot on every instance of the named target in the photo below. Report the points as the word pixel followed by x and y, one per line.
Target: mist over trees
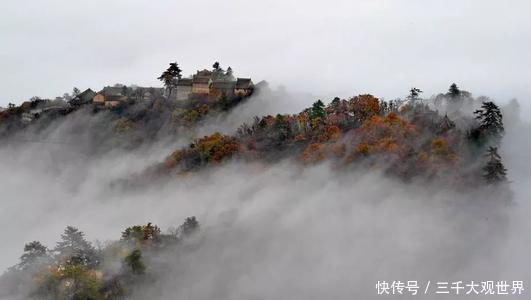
pixel 407 138
pixel 75 269
pixel 410 138
pixel 491 124
pixel 494 170
pixel 450 143
pixel 135 117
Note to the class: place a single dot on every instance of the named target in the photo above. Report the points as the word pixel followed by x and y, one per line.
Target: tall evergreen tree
pixel 414 94
pixel 491 120
pixel 335 102
pixel 73 249
pixel 34 252
pixel 188 227
pixel 169 77
pixel 317 110
pixel 124 90
pixel 454 91
pixel 494 171
pixel 446 124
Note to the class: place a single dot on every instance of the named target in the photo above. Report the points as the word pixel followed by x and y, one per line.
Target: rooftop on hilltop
pixel 243 83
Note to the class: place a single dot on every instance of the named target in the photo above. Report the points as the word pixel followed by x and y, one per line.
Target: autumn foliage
pixel 385 134
pixel 362 128
pixel 209 149
pixel 365 106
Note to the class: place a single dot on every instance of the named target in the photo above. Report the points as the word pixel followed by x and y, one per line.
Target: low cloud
pixel 278 231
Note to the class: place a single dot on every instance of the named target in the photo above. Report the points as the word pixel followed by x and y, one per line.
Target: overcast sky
pixel 327 48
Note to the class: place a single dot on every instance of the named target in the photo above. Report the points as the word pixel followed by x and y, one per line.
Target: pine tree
pixel 494 171
pixel 124 90
pixel 175 70
pixel 414 94
pixel 335 103
pixel 446 124
pixel 317 110
pixel 490 118
pixel 73 249
pixel 454 91
pixel 189 226
pixel 33 253
pixel 168 77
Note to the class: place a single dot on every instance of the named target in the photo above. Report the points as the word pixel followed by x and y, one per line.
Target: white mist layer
pixel 278 232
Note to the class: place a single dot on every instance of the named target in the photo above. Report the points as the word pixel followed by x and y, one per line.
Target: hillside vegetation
pixel 408 139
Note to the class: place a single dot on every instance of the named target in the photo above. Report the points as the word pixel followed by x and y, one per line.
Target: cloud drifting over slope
pixel 273 232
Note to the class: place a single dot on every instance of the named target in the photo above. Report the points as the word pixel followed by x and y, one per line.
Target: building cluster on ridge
pixel 205 86
pixel 206 83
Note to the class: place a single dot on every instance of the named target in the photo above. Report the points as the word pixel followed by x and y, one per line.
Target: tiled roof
pixel 203 73
pixel 244 83
pixel 112 91
pixel 86 96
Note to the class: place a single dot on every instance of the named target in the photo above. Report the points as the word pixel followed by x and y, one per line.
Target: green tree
pixel 454 92
pixel 34 253
pixel 189 226
pixel 73 249
pixel 134 261
pixel 317 110
pixel 335 103
pixel 491 120
pixel 414 94
pixel 83 284
pixel 282 129
pixel 169 77
pixel 494 170
pixel 139 233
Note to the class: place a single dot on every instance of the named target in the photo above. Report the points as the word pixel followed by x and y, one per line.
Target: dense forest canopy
pixel 409 139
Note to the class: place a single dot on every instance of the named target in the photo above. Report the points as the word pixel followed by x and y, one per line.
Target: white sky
pixel 323 47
